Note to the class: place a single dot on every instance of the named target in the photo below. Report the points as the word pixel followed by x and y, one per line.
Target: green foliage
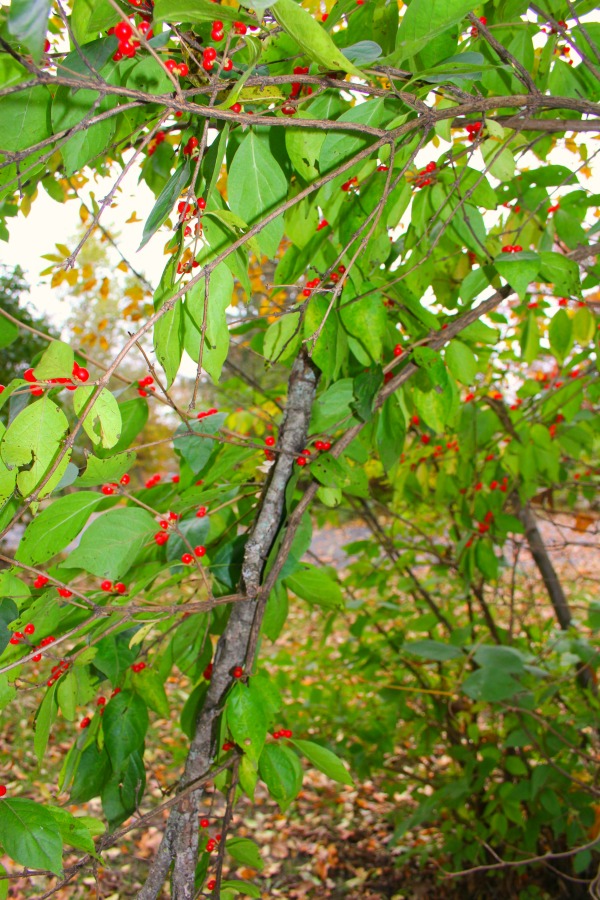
pixel 380 206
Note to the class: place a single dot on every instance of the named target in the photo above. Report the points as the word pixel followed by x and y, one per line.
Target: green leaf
pixel 165 202
pixel 434 650
pixel 33 439
pixel 366 320
pixel 501 163
pixel 122 793
pixel 103 471
pixel 44 719
pixel 242 887
pixel 245 851
pixel 304 145
pixel 280 769
pixel 311 37
pixel 391 432
pixel 283 337
pixel 256 186
pixel 530 338
pixel 560 333
pixel 324 760
pixel 461 361
pixel 332 405
pixel 168 340
pixel 93 771
pixel 195 11
pixel 315 586
pixel 24 118
pixel 8 333
pixel 109 546
pixel 584 326
pixel 339 146
pixel 216 340
pixel 425 20
pixel 73 830
pixel 561 272
pixel 519 269
pixel 56 362
pixel 485 684
pixel 28 23
pixel 134 415
pixel 197 450
pixel 29 835
pixel 149 685
pixel 124 724
pixel 506 660
pixel 56 526
pixel 103 423
pixel 246 719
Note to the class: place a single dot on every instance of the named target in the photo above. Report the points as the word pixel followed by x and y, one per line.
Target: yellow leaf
pixel 103 343
pixel 105 288
pixel 62 249
pixel 123 266
pixel 88 285
pixel 135 293
pixel 84 213
pixel 585 170
pixel 102 324
pixel 87 271
pixel 132 218
pixel 57 278
pixel 77 329
pixel 72 277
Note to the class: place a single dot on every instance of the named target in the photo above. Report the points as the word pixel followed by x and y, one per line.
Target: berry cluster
pixel 310 285
pixel 423 179
pixel 117 588
pixel 297 88
pixel 123 31
pixel 19 636
pixel 57 671
pixel 322 224
pixel 512 248
pixel 176 68
pixel 156 141
pixel 191 146
pixel 146 384
pixel 79 373
pixel 474 31
pixel 209 412
pixel 138 667
pixel 351 184
pixel 474 130
pixel 41 581
pixel 153 480
pixel 282 733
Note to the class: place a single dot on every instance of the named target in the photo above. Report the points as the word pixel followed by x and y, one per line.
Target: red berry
pixel 210 846
pixel 227 65
pixel 29 628
pixel 107 489
pixel 228 745
pixel 173 516
pixel 183 70
pixel 425 439
pixel 210 885
pixel 430 167
pixel 517 248
pixel 289 110
pixel 319 445
pixel 237 672
pixel 123 31
pixel 65 593
pixel 2 790
pixel 270 441
pixel 85 722
pixel 302 460
pixel 40 581
pixel 101 701
pixel 200 551
pixel 236 108
pixel 170 65
pixel 37 657
pixel 208 672
pixel 415 420
pixel 139 667
pixel 175 479
pixel 210 54
pixel 125 479
pixel 204 823
pixel 239 28
pixel 201 512
pixel 106 585
pixel 187 559
pixel 120 588
pixel 161 538
pixel 326 445
pixel 28 375
pixel 398 350
pixel 116 691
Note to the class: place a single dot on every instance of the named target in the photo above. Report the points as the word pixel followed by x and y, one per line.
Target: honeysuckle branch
pixel 520 70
